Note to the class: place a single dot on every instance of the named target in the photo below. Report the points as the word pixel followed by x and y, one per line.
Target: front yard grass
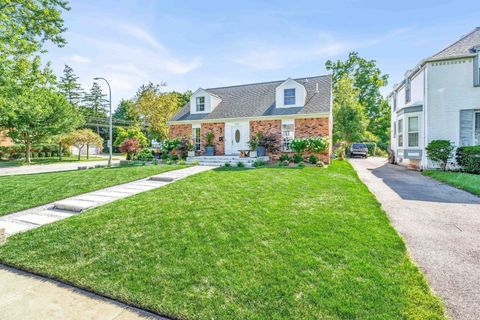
pixel 466 181
pixel 21 162
pixel 27 191
pixel 269 243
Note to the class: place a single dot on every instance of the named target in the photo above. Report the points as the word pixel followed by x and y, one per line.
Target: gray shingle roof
pixel 258 99
pixel 462 47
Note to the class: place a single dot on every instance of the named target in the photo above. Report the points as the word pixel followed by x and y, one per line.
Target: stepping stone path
pixel 38 216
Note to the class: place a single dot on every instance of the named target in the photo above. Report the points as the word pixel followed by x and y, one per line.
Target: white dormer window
pixel 289 97
pixel 200 104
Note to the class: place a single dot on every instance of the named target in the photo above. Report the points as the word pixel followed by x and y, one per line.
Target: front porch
pixel 221 160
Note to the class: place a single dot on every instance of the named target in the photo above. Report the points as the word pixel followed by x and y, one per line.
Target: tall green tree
pixel 70 87
pixel 368 79
pixel 96 105
pixel 155 108
pixel 349 122
pixel 123 111
pixel 27 25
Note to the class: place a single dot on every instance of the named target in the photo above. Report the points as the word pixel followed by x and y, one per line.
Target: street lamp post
pixel 110 142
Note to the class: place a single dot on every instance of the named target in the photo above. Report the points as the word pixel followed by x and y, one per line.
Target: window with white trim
pixel 476 132
pixel 197 138
pixel 476 70
pixel 289 96
pixel 413 131
pixel 408 90
pixel 200 104
pixel 400 133
pixel 288 133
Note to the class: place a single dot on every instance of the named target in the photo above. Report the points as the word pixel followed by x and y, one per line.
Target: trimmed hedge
pixel 469 158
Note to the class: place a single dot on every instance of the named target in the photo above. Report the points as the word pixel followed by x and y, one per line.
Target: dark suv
pixel 359 149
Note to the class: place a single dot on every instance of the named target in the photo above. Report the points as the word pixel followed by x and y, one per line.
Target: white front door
pixel 238 139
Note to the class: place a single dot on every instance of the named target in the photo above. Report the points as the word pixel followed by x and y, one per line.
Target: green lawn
pixel 26 191
pixel 21 162
pixel 269 243
pixel 466 181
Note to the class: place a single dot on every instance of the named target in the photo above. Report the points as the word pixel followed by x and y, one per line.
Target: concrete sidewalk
pixel 28 297
pixel 53 167
pixel 441 227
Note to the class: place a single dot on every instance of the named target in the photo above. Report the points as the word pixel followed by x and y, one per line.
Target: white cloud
pixel 76 58
pixel 301 49
pixel 140 34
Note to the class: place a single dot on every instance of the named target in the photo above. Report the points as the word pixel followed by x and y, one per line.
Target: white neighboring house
pixel 438 99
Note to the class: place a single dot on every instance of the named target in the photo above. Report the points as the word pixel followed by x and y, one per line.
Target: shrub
pixel 284 157
pixel 297 158
pixel 195 163
pixel 145 155
pixel 34 154
pixel 164 156
pixel 184 145
pixel 317 144
pixel 173 157
pixel 182 162
pixel 155 162
pixel 130 147
pixel 340 152
pixel 258 163
pixel 469 158
pixel 280 164
pixel 320 164
pixel 240 164
pixel 301 164
pixel 286 163
pixel 440 151
pixel 270 142
pixel 227 164
pixel 169 145
pixel 40 155
pixel 168 162
pixel 312 159
pixel 298 145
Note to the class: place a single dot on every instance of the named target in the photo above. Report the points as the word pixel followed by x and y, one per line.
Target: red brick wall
pixel 218 129
pixel 180 130
pixel 315 127
pixel 267 127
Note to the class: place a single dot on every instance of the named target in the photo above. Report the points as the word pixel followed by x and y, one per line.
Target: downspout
pixel 425 117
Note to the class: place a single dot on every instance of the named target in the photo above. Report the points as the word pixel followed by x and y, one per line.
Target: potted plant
pixel 267 142
pixel 191 149
pixel 209 147
pixel 260 147
pixel 253 144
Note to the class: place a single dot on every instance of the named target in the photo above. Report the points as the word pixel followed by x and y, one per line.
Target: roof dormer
pixel 203 101
pixel 290 94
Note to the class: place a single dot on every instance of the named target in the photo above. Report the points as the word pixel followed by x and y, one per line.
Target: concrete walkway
pixel 35 217
pixel 53 167
pixel 441 227
pixel 28 297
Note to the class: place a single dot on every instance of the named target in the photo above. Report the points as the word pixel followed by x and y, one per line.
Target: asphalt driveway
pixel 441 226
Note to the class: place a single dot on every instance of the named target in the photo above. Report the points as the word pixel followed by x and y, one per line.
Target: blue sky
pixel 192 44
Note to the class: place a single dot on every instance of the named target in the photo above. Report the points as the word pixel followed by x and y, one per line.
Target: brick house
pixel 292 108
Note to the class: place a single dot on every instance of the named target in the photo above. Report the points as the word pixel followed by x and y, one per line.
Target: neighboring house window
pixel 408 91
pixel 289 96
pixel 200 104
pixel 476 138
pixel 413 131
pixel 476 70
pixel 197 138
pixel 288 133
pixel 400 133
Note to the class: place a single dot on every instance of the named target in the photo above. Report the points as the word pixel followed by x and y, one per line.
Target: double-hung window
pixel 197 138
pixel 289 97
pixel 200 107
pixel 413 131
pixel 476 138
pixel 288 133
pixel 408 90
pixel 476 70
pixel 400 133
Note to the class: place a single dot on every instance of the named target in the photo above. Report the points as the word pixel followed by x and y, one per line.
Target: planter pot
pixel 191 153
pixel 210 151
pixel 260 151
pixel 253 153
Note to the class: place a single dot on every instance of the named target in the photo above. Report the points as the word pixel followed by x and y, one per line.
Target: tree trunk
pixel 60 151
pixel 88 150
pixel 27 152
pixel 79 152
